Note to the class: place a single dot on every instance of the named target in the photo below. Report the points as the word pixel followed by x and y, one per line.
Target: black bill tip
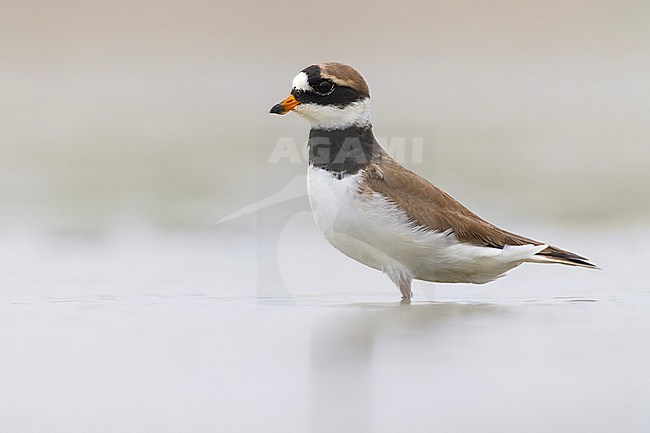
pixel 278 109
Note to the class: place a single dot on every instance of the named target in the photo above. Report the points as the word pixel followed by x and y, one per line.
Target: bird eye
pixel 324 87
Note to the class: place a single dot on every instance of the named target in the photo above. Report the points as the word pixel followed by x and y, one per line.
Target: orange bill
pixel 285 106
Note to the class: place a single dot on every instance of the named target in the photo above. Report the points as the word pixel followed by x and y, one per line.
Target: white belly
pixel 375 232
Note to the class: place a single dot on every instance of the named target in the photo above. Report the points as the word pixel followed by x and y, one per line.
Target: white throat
pixel 330 117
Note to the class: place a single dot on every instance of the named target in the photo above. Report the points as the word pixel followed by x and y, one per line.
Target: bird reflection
pixel 344 345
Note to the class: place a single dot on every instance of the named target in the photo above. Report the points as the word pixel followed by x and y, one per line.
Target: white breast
pixel 374 231
pixel 343 216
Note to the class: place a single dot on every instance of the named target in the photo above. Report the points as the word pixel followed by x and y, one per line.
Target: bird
pixel 383 215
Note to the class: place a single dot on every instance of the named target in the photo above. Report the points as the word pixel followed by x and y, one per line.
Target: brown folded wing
pixel 436 210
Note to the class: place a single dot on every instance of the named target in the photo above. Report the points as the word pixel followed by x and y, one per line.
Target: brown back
pixel 436 210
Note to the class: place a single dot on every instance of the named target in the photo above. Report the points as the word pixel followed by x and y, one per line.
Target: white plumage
pixel 374 231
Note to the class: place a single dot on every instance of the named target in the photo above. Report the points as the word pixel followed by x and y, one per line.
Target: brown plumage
pixel 434 209
pixel 344 75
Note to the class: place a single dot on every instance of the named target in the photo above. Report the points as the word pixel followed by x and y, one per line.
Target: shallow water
pixel 210 364
pixel 148 331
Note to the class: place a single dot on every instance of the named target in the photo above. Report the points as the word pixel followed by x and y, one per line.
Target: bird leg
pixel 405 287
pixel 403 282
pixel 407 294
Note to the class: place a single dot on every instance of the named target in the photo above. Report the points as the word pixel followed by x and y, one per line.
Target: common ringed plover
pixel 381 214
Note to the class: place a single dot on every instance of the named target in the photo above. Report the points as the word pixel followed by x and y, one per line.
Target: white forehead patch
pixel 301 82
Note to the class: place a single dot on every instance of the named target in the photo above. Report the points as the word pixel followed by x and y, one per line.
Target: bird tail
pixel 556 255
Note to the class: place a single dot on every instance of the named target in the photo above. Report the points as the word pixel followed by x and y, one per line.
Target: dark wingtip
pixel 585 264
pixel 568 258
pixel 578 260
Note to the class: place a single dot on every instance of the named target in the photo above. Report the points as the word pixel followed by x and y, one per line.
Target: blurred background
pixel 128 129
pixel 149 111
